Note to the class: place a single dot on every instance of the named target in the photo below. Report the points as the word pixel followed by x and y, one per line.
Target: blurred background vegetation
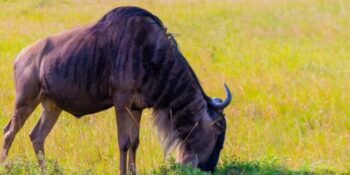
pixel 287 63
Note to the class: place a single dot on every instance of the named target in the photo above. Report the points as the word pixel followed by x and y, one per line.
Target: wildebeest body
pixel 125 60
pixel 81 70
pixel 77 74
pixel 73 75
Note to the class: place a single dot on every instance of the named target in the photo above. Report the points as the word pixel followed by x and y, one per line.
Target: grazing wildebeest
pixel 125 60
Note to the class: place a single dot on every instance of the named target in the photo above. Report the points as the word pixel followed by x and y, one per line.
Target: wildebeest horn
pixel 217 103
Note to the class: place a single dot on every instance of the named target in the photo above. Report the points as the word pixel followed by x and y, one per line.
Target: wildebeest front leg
pixel 128 129
pixel 48 118
pixel 134 131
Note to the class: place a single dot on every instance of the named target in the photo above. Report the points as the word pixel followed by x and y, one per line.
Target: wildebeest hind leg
pixel 24 106
pixel 48 118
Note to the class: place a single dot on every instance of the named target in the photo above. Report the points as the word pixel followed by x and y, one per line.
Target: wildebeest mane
pixel 124 12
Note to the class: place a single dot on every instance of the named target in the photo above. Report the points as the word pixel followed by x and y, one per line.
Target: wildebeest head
pixel 215 110
pixel 210 135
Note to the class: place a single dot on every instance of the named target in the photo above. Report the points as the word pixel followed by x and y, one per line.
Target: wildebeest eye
pixel 218 121
pixel 220 127
pixel 216 114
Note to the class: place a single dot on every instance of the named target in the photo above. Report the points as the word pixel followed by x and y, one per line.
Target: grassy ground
pixel 287 63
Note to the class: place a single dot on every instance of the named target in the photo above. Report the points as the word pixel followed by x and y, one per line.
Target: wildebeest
pixel 126 60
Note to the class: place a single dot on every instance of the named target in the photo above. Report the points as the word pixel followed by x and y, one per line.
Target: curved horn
pixel 218 103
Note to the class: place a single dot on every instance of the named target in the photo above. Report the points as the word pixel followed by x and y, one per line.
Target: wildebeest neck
pixel 178 97
pixel 177 86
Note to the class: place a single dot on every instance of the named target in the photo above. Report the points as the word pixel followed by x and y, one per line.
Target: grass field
pixel 287 63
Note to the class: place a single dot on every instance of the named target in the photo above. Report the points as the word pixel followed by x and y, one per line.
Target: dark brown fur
pixel 125 60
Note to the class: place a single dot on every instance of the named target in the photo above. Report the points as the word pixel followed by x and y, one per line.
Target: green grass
pixel 287 63
pixel 228 167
